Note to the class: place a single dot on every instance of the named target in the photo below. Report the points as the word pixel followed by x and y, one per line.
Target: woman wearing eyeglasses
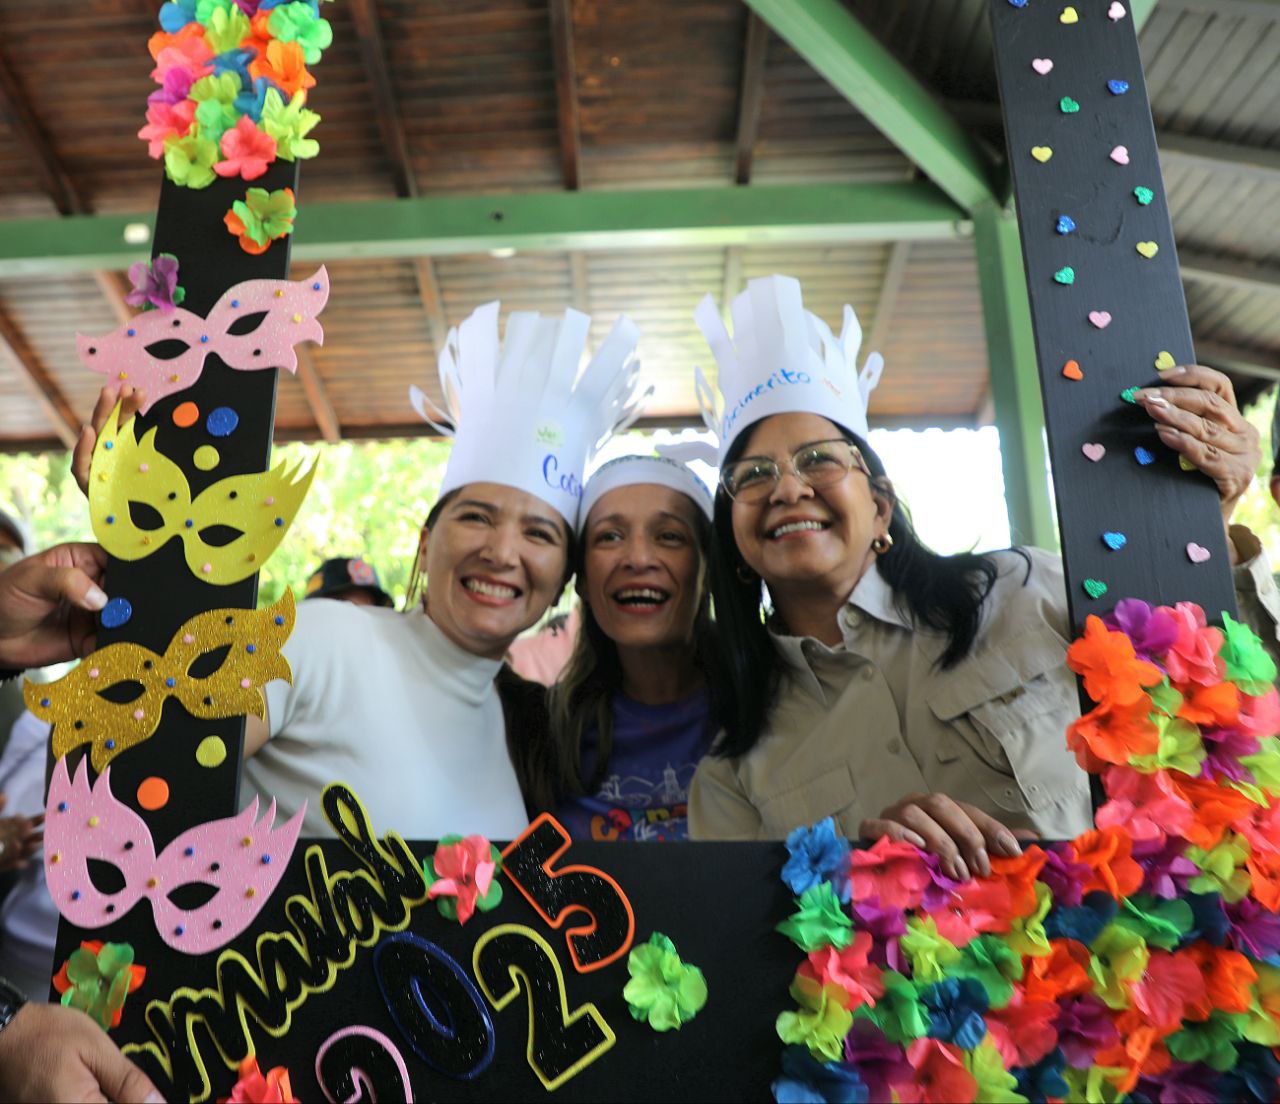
pixel 899 691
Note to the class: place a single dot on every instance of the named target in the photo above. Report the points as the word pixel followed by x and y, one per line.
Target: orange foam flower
pixel 1264 869
pixel 1063 972
pixel 283 63
pixel 1019 874
pixel 232 222
pixel 1140 1050
pixel 940 1076
pixel 1215 808
pixel 1111 670
pixel 1226 976
pixel 1112 733
pixel 1109 851
pixel 1216 706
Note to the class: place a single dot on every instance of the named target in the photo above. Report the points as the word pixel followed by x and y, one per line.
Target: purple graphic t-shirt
pixel 645 792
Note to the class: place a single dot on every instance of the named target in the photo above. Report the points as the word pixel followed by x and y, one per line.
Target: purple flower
pixel 1181 1083
pixel 818 854
pixel 249 7
pixel 1152 631
pixel 1167 867
pixel 155 285
pixel 1254 931
pixel 939 892
pixel 1225 747
pixel 1064 876
pixel 882 1065
pixel 175 87
pixel 885 925
pixel 1085 1027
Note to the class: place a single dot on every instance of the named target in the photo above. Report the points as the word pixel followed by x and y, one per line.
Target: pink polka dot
pixel 206 568
pixel 138 714
pixel 271 500
pixel 245 683
pixel 93 672
pixel 144 467
pixel 187 638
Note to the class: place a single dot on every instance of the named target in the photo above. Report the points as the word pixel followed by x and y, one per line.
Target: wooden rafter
pixel 894 272
pixel 561 18
pixel 750 96
pixel 114 287
pixel 46 393
pixel 317 398
pixel 578 281
pixel 731 284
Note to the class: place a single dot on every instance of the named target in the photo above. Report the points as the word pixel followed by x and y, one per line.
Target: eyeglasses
pixel 819 464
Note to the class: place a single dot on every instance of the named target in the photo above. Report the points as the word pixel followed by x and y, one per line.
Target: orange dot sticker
pixel 186 415
pixel 153 793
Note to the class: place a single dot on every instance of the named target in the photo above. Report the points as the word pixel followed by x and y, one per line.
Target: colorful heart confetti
pixel 1101 319
pixel 1120 155
pixel 1068 105
pixel 1069 16
pixel 1147 248
pixel 1115 13
pixel 1130 394
pixel 1043 66
pixel 1042 153
pixel 1197 553
pixel 1095 588
pixel 1065 275
pixel 1185 464
pixel 1144 456
pixel 1066 224
pixel 1114 541
pixel 1165 361
pixel 1018 3
pixel 1093 451
pixel 1072 370
pixel 1143 195
pixel 1117 87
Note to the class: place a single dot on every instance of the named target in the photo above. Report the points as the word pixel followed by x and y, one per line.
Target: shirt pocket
pixel 829 794
pixel 1007 709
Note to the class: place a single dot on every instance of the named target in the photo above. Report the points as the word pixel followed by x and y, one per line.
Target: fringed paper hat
pixel 519 412
pixel 782 360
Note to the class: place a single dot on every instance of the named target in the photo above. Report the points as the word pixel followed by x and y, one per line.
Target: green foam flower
pixel 1118 956
pixel 1212 1041
pixel 995 1083
pixel 188 161
pixel 267 216
pixel 226 29
pixel 822 1021
pixel 205 9
pixel 1265 766
pixel 1026 933
pixel 298 23
pixel 289 125
pixel 898 1012
pixel 818 921
pixel 1161 923
pixel 214 119
pixel 1248 664
pixel 96 978
pixel 1180 747
pixel 221 87
pixel 991 962
pixel 1096 1085
pixel 1166 698
pixel 1222 869
pixel 932 955
pixel 663 990
pixel 1258 1025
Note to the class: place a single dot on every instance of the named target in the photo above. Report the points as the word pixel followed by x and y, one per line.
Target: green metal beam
pixel 1015 380
pixel 1141 11
pixel 857 64
pixel 530 222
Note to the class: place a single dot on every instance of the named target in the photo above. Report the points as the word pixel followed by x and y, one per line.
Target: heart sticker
pixel 1072 370
pixel 1018 3
pixel 1043 66
pixel 1095 588
pixel 1093 451
pixel 1165 361
pixel 1101 319
pixel 1117 87
pixel 1143 195
pixel 1185 464
pixel 1042 153
pixel 1197 553
pixel 1120 155
pixel 1066 224
pixel 1065 275
pixel 1114 541
pixel 1147 248
pixel 1068 105
pixel 1130 394
pixel 1144 456
pixel 1116 12
pixel 1069 16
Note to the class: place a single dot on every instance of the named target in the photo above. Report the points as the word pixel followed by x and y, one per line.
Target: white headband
pixel 629 471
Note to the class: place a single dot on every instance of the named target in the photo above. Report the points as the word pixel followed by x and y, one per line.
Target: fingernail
pixel 153 1097
pixel 961 872
pixel 912 838
pixel 1176 370
pixel 94 598
pixel 1154 400
pixel 983 862
pixel 1009 844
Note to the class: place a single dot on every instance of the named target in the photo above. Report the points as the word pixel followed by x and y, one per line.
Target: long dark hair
pixel 944 593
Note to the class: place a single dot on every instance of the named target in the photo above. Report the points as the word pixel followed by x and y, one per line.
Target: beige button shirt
pixel 860 725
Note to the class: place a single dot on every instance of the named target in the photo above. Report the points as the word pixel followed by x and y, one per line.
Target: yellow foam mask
pixel 127 473
pixel 242 647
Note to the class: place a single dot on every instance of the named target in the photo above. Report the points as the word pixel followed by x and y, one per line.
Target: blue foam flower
pixel 1083 922
pixel 818 854
pixel 1044 1080
pixel 805 1080
pixel 177 14
pixel 956 1007
pixel 1253 1077
pixel 1209 920
pixel 251 102
pixel 236 61
pixel 267 5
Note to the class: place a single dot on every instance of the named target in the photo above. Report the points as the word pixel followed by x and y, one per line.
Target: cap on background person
pixel 349 579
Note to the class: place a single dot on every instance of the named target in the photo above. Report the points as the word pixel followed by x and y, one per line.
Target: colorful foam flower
pixel 246 151
pixel 1209 919
pixel 1253 1078
pixel 1165 865
pixel 821 1022
pixel 1213 706
pixel 1193 658
pixel 299 23
pixel 155 285
pixel 1108 852
pixel 898 1013
pixel 253 100
pixel 890 871
pixel 1141 1049
pixel 940 1075
pixel 849 968
pixel 1179 747
pixel 97 978
pixel 955 1007
pixel 1248 663
pixel 225 29
pixel 1260 713
pixel 1044 1080
pixel 1167 986
pixel 1222 869
pixel 1215 807
pixel 1112 672
pixel 1113 733
pixel 289 124
pixel 175 86
pixel 254 1087
pixel 1151 630
pixel 880 1063
pixel 1254 930
pixel 663 991
pixel 1064 971
pixel 1181 1083
pixel 992 1080
pixel 236 61
pixel 1212 1041
pixel 991 962
pixel 185 49
pixel 1027 935
pixel 284 65
pixel 177 14
pixel 979 905
pixel 817 854
pixel 1063 874
pixel 1085 1026
pixel 805 1080
pixel 1083 922
pixel 1162 923
pixel 165 121
pixel 1019 873
pixel 885 926
pixel 261 218
pixel 1117 959
pixel 462 877
pixel 932 956
pixel 188 161
pixel 1023 1031
pixel 1227 977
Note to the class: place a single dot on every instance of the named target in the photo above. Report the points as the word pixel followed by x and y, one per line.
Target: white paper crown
pixel 631 471
pixel 519 412
pixel 782 360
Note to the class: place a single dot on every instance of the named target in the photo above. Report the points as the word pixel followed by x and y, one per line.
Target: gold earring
pixel 881 545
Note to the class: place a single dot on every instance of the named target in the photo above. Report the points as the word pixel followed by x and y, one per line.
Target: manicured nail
pixel 983 862
pixel 153 1098
pixel 908 836
pixel 1009 844
pixel 1152 399
pixel 94 598
pixel 960 872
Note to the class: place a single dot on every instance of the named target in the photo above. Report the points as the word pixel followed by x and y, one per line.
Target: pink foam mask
pixel 276 315
pixel 241 860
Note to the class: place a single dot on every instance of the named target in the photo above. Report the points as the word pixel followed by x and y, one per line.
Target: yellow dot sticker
pixel 206 458
pixel 211 751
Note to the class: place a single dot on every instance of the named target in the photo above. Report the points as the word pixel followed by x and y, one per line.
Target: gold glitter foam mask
pixel 237 652
pixel 139 499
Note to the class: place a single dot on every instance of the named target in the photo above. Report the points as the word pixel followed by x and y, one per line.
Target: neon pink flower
pixel 940 1076
pixel 466 870
pixel 895 873
pixel 246 151
pixel 165 120
pixel 1023 1031
pixel 849 969
pixel 1194 655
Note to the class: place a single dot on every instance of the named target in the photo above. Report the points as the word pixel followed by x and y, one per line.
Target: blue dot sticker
pixel 222 422
pixel 1117 87
pixel 1066 224
pixel 116 613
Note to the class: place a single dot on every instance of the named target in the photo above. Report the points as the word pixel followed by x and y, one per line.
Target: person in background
pixel 13 546
pixel 632 714
pixel 348 579
pixel 541 656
